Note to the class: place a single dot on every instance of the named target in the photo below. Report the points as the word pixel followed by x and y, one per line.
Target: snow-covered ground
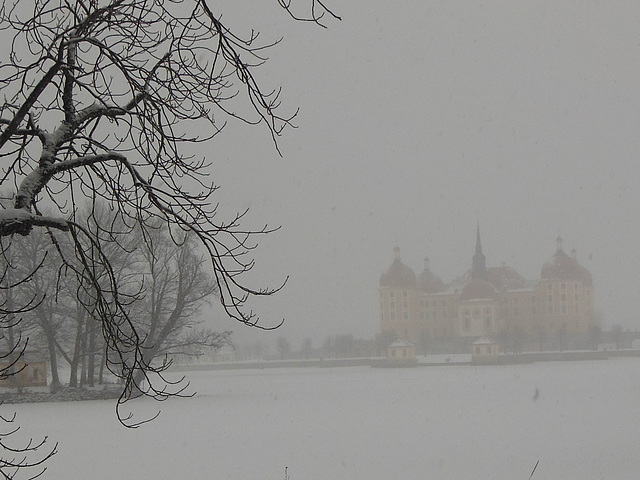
pixel 450 422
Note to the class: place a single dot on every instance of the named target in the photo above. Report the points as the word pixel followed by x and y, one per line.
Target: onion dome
pixel 505 278
pixel 478 289
pixel 398 275
pixel 564 267
pixel 429 282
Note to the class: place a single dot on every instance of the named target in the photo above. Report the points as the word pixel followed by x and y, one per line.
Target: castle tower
pixel 478 267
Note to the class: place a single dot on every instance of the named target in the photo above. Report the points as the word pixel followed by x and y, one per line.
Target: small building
pixel 31 370
pixel 401 352
pixel 485 350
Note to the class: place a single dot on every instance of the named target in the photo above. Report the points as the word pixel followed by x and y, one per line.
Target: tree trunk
pixel 83 353
pixel 53 361
pixel 103 362
pixel 77 353
pixel 91 352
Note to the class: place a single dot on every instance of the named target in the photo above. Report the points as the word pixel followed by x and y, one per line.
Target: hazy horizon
pixel 417 122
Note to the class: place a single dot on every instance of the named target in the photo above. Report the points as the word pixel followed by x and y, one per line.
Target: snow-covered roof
pixel 484 340
pixel 402 342
pixel 470 300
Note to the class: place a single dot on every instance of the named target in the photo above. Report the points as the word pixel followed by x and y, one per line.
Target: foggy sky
pixel 416 122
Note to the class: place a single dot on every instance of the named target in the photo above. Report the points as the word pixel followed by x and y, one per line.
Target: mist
pixel 416 123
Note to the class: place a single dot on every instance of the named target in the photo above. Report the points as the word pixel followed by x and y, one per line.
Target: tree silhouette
pixel 102 100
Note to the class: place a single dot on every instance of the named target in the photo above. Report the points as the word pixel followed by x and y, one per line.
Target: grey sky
pixel 419 119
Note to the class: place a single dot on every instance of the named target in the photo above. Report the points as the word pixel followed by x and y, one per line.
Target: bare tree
pixel 283 346
pixel 27 460
pixel 176 287
pixel 616 332
pixel 24 459
pixel 100 102
pixel 307 347
pixel 170 284
pixel 46 323
pixel 101 99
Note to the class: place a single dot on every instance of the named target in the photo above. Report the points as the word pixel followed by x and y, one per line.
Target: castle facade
pixel 554 312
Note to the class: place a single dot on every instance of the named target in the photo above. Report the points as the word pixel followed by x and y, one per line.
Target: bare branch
pixel 106 103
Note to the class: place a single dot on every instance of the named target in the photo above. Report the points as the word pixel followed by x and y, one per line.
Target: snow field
pixel 449 422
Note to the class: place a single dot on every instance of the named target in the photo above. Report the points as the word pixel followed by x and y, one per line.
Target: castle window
pixel 564 309
pixel 405 315
pixel 404 293
pixel 563 286
pixel 392 305
pixel 404 305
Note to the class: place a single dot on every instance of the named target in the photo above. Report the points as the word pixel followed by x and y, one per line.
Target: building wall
pixel 33 374
pixel 399 312
pixel 541 317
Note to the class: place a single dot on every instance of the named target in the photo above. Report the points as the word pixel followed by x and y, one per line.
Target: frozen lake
pixel 450 422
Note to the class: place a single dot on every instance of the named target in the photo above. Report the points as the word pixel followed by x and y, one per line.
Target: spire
pixel 478 243
pixel 478 268
pixel 396 254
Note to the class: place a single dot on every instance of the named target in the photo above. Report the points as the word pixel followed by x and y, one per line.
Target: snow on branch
pixel 21 221
pixel 104 102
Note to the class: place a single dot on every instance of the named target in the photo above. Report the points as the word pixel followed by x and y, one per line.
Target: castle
pixel 552 313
